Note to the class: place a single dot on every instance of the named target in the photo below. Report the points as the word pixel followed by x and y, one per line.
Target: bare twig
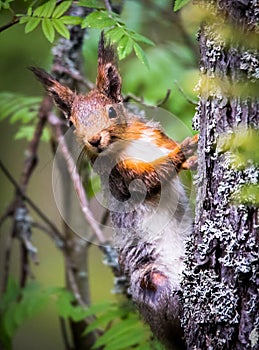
pixel 14 21
pixel 193 102
pixel 133 97
pixel 71 166
pixel 45 229
pixel 8 212
pixel 31 152
pixel 75 75
pixel 74 286
pixel 108 5
pixel 141 101
pixel 8 247
pixel 56 233
pixel 105 217
pixel 164 100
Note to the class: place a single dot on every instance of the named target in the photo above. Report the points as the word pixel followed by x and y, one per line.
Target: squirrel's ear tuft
pixel 108 77
pixel 62 95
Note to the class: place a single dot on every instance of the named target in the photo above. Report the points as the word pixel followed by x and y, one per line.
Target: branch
pixel 53 120
pixel 7 258
pixel 31 158
pixel 193 102
pixel 14 21
pixel 108 5
pixel 164 100
pixel 56 234
pixel 75 75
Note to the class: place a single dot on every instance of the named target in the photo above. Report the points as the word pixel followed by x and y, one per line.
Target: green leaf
pixel 29 11
pixel 99 307
pixel 32 24
pixel 61 9
pixel 140 54
pixel 115 331
pixel 178 4
pixel 9 322
pixel 64 306
pixel 23 115
pixel 5 4
pixel 25 132
pixel 45 135
pixel 97 4
pixel 32 301
pixel 104 319
pixel 248 195
pixel 48 29
pixel 131 337
pixel 45 10
pixel 115 34
pixel 10 103
pixel 93 186
pixel 78 313
pixel 142 38
pixel 124 47
pixel 11 294
pixel 24 20
pixel 98 19
pixel 71 20
pixel 61 28
pixel 7 107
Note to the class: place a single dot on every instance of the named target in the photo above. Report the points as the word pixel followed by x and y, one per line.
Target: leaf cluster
pixel 178 4
pixel 119 325
pixel 22 110
pixel 243 147
pixel 51 16
pixel 117 32
pixel 17 305
pixel 5 4
pixel 52 19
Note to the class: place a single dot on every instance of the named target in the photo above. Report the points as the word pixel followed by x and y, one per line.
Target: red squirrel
pixel 138 165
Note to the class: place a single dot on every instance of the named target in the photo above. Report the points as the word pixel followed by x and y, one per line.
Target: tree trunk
pixel 219 286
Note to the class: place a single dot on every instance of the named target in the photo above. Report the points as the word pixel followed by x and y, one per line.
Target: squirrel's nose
pixel 95 141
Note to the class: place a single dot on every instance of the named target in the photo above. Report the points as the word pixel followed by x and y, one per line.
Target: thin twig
pixel 164 100
pixel 8 248
pixel 133 97
pixel 14 21
pixel 108 5
pixel 45 229
pixel 9 211
pixel 56 233
pixel 31 152
pixel 105 217
pixel 64 333
pixel 71 166
pixel 74 286
pixel 24 265
pixel 74 75
pixel 188 99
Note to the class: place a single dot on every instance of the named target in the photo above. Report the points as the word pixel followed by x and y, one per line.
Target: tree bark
pixel 219 285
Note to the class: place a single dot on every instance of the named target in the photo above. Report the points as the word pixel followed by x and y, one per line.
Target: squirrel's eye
pixel 112 113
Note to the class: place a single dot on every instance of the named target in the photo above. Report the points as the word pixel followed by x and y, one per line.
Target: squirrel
pixel 138 166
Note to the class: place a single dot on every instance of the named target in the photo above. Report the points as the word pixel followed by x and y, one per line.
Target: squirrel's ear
pixel 62 95
pixel 108 78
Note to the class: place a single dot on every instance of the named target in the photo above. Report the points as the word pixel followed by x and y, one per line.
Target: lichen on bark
pixel 219 284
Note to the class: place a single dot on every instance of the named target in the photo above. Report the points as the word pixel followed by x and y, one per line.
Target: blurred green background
pixel 173 58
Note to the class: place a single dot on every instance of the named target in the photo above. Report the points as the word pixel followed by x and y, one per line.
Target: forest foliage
pixel 171 62
pixel 117 322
